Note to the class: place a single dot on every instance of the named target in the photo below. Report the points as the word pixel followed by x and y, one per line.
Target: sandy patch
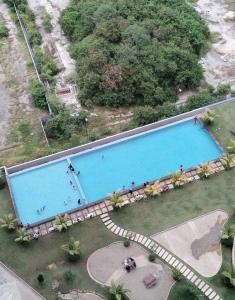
pixel 81 296
pixel 197 242
pixel 219 63
pixel 105 266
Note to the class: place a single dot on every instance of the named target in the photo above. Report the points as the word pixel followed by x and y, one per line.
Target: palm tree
pixel 204 170
pixel 208 117
pixel 72 249
pixel 116 200
pixel 178 179
pixel 231 146
pixel 154 189
pixel 228 161
pixel 62 222
pixel 228 236
pixel 118 291
pixel 8 222
pixel 229 278
pixel 23 236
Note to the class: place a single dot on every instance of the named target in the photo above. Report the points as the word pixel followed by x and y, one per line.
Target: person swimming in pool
pixel 79 201
pixel 71 168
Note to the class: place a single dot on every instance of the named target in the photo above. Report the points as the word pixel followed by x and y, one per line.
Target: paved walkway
pixel 13 287
pixel 170 259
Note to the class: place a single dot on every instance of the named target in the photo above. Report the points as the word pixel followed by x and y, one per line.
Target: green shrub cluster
pixel 126 243
pixel 4 32
pixel 46 23
pixel 147 114
pixel 46 65
pixel 28 19
pixel 38 95
pixel 63 124
pixel 2 181
pixel 152 256
pixel 134 52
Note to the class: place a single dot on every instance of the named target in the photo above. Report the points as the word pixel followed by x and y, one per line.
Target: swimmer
pixel 79 201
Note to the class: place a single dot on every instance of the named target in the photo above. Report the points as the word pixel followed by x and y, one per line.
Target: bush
pixel 38 95
pixel 68 276
pixel 152 256
pixel 4 32
pixel 2 181
pixel 177 275
pixel 40 278
pixel 126 243
pixel 222 90
pixel 46 23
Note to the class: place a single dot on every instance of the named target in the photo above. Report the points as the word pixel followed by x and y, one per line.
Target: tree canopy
pixel 134 52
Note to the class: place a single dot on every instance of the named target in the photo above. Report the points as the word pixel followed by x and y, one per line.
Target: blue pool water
pixel 51 189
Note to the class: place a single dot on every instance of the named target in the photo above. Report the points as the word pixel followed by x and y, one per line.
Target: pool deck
pixel 101 207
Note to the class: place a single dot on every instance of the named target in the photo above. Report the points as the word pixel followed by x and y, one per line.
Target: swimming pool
pixel 50 189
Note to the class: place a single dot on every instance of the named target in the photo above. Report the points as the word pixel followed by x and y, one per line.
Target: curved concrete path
pixel 167 257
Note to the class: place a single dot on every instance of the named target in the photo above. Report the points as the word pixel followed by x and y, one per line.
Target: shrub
pixel 40 279
pixel 231 147
pixel 46 23
pixel 204 170
pixel 208 117
pixel 222 90
pixel 178 179
pixel 152 256
pixel 2 181
pixel 126 243
pixel 38 95
pixel 68 276
pixel 176 274
pixel 4 32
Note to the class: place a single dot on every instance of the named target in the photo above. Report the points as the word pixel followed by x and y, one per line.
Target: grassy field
pixel 28 261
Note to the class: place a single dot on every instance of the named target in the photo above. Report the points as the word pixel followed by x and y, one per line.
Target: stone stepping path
pixel 163 254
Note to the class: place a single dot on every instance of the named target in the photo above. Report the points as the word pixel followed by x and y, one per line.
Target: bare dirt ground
pixel 106 265
pixel 79 295
pixel 197 242
pixel 57 45
pixel 219 63
pixel 56 37
pixel 14 88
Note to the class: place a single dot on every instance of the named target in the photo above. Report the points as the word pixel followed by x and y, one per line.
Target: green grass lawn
pixel 224 122
pixel 28 261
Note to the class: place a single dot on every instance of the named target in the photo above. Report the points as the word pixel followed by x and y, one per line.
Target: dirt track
pixel 219 63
